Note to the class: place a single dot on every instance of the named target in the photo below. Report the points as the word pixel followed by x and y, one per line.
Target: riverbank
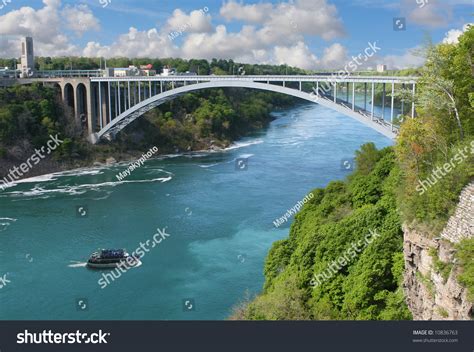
pixel 210 120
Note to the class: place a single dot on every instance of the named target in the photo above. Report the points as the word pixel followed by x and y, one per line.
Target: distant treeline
pixel 200 66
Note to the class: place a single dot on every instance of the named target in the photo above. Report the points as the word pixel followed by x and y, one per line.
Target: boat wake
pixel 76 264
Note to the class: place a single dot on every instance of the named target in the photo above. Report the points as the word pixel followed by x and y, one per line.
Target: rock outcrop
pixel 431 289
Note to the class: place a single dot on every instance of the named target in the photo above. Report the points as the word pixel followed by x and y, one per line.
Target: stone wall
pixel 430 293
pixel 461 224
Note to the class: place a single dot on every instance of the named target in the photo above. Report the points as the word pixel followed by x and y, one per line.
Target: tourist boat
pixel 111 258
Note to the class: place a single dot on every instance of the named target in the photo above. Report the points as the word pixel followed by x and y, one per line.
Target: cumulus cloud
pixel 254 13
pixel 271 34
pixel 298 55
pixel 334 56
pixel 452 36
pixel 197 21
pixel 303 17
pixel 271 30
pixel 80 19
pixel 47 26
pixel 432 13
pixel 135 43
pixel 414 57
pixel 409 59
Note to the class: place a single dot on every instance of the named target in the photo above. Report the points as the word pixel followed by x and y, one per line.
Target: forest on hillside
pixel 381 195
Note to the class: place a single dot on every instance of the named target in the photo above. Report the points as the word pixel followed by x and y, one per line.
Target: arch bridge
pixel 108 104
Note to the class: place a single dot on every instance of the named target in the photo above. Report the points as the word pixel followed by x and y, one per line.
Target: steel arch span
pixel 126 117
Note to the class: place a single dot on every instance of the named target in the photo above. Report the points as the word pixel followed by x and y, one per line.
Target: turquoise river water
pixel 219 218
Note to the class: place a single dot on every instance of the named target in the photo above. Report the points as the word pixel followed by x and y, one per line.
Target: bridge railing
pixel 269 78
pixel 68 73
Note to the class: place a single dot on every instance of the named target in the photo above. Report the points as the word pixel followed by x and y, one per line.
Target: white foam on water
pixel 245 156
pixel 42 178
pixel 81 189
pixel 4 226
pixel 5 222
pixel 77 264
pixel 239 145
pixel 208 166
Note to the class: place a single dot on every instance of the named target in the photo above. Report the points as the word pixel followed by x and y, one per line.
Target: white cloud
pixel 452 36
pixel 47 26
pixel 409 59
pixel 221 44
pixel 135 43
pixel 274 34
pixel 254 13
pixel 298 56
pixel 288 19
pixel 271 31
pixel 80 19
pixel 427 13
pixel 197 21
pixel 334 57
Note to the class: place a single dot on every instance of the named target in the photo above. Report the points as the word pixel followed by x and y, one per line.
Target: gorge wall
pixel 431 288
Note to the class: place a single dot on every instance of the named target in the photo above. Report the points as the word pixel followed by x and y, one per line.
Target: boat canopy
pixel 112 253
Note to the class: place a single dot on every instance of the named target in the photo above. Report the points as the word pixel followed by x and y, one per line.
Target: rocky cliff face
pixel 430 284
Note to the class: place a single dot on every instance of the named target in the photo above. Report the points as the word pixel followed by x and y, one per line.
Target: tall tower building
pixel 27 57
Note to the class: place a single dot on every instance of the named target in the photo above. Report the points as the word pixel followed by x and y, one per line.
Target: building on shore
pixel 381 68
pixel 27 65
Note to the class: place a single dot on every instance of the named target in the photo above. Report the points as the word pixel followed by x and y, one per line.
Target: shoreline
pixel 50 167
pixel 96 165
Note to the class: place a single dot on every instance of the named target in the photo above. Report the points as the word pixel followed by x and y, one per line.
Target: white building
pixel 168 71
pixel 27 65
pixel 126 71
pixel 381 68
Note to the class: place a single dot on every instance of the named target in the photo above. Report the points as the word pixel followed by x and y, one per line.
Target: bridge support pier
pixel 353 96
pixel 372 103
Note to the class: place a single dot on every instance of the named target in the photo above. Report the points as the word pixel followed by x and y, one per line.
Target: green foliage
pixel 339 217
pixel 200 66
pixel 465 255
pixel 443 312
pixel 441 267
pixel 442 134
pixel 426 281
pixel 195 120
pixel 29 115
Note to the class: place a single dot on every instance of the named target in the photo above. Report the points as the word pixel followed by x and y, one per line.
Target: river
pixel 218 214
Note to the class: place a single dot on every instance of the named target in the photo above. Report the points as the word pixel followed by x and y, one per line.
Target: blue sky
pixel 306 33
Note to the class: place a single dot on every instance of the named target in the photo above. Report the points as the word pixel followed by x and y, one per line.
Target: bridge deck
pixel 264 79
